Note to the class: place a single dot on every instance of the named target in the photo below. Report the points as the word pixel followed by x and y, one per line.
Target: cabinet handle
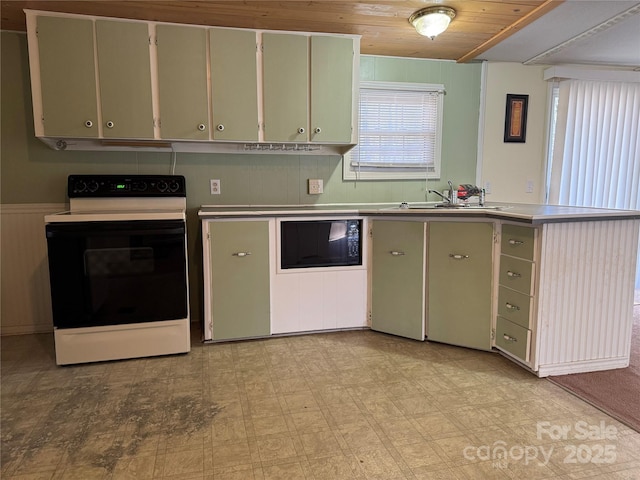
pixel 396 254
pixel 241 254
pixel 513 274
pixel 220 127
pixel 513 241
pixel 512 307
pixel 509 338
pixel 88 124
pixel 110 124
pixel 317 130
pixel 202 127
pixel 457 256
pixel 301 130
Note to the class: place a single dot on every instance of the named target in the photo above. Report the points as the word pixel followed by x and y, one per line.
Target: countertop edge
pixel 512 212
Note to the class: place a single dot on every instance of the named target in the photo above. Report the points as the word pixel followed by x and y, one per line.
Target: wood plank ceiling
pixel 383 25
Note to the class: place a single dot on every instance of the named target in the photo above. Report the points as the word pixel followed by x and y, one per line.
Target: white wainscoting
pixel 586 293
pixel 311 301
pixel 25 301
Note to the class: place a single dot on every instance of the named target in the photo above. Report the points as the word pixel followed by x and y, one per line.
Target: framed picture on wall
pixel 515 120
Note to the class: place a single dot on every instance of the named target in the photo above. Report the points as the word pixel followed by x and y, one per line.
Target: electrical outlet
pixel 316 186
pixel 487 187
pixel 529 186
pixel 215 186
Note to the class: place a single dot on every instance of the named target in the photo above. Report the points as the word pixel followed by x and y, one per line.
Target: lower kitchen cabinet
pixel 460 280
pixel 237 300
pixel 398 272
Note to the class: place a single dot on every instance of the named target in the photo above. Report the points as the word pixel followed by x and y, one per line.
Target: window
pixel 400 133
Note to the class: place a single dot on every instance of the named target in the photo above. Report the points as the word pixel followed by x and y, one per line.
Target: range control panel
pixel 88 186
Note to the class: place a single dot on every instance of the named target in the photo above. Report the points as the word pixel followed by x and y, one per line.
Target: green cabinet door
pixel 125 79
pixel 398 270
pixel 67 77
pixel 460 279
pixel 182 82
pixel 239 253
pixel 234 84
pixel 285 87
pixel 331 89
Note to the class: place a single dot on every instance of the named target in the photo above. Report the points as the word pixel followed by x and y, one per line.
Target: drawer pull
pixel 396 254
pixel 509 338
pixel 512 307
pixel 513 274
pixel 457 256
pixel 515 242
pixel 242 254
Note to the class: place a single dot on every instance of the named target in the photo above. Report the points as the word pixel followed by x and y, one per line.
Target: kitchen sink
pixel 447 206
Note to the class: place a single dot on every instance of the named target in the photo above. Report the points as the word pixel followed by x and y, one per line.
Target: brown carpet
pixel 615 392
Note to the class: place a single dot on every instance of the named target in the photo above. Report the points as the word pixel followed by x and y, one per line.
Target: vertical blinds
pixel 398 129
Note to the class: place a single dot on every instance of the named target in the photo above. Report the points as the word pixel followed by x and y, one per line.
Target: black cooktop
pixel 88 186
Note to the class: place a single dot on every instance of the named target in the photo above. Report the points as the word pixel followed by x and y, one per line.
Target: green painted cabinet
pixel 67 76
pixel 398 273
pixel 182 82
pixel 331 89
pixel 239 279
pixel 516 291
pixel 125 79
pixel 130 80
pixel 285 60
pixel 460 283
pixel 234 84
pixel 308 88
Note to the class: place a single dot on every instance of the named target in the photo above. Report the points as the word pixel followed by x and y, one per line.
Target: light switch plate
pixel 215 186
pixel 316 186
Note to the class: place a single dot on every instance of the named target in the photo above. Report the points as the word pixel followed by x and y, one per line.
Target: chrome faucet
pixel 453 194
pixel 450 198
pixel 446 199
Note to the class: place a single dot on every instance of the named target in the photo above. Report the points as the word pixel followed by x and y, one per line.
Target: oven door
pixel 121 272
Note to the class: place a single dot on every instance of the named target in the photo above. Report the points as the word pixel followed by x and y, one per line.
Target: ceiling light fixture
pixel 432 21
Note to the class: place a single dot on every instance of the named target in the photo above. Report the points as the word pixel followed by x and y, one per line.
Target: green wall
pixel 33 173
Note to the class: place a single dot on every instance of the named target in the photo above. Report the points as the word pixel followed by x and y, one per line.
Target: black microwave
pixel 320 243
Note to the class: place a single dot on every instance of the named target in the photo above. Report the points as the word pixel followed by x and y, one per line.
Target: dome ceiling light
pixel 432 21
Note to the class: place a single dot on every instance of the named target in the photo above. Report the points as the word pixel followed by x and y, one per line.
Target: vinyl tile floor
pixel 344 405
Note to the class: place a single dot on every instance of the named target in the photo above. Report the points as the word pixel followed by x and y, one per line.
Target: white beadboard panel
pixel 585 304
pixel 315 301
pixel 26 298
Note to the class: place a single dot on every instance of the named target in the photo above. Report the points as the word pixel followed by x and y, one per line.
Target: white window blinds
pixel 400 130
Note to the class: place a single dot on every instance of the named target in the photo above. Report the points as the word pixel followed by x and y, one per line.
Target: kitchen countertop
pixel 520 212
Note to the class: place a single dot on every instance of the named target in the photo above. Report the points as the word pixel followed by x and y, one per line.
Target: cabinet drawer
pixel 516 274
pixel 517 241
pixel 513 338
pixel 514 306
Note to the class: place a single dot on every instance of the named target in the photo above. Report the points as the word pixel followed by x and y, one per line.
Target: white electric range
pixel 118 268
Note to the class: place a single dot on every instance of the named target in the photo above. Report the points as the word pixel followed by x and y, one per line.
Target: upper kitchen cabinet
pixel 120 84
pixel 67 79
pixel 308 88
pixel 124 68
pixel 285 87
pixel 331 89
pixel 182 82
pixel 234 84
